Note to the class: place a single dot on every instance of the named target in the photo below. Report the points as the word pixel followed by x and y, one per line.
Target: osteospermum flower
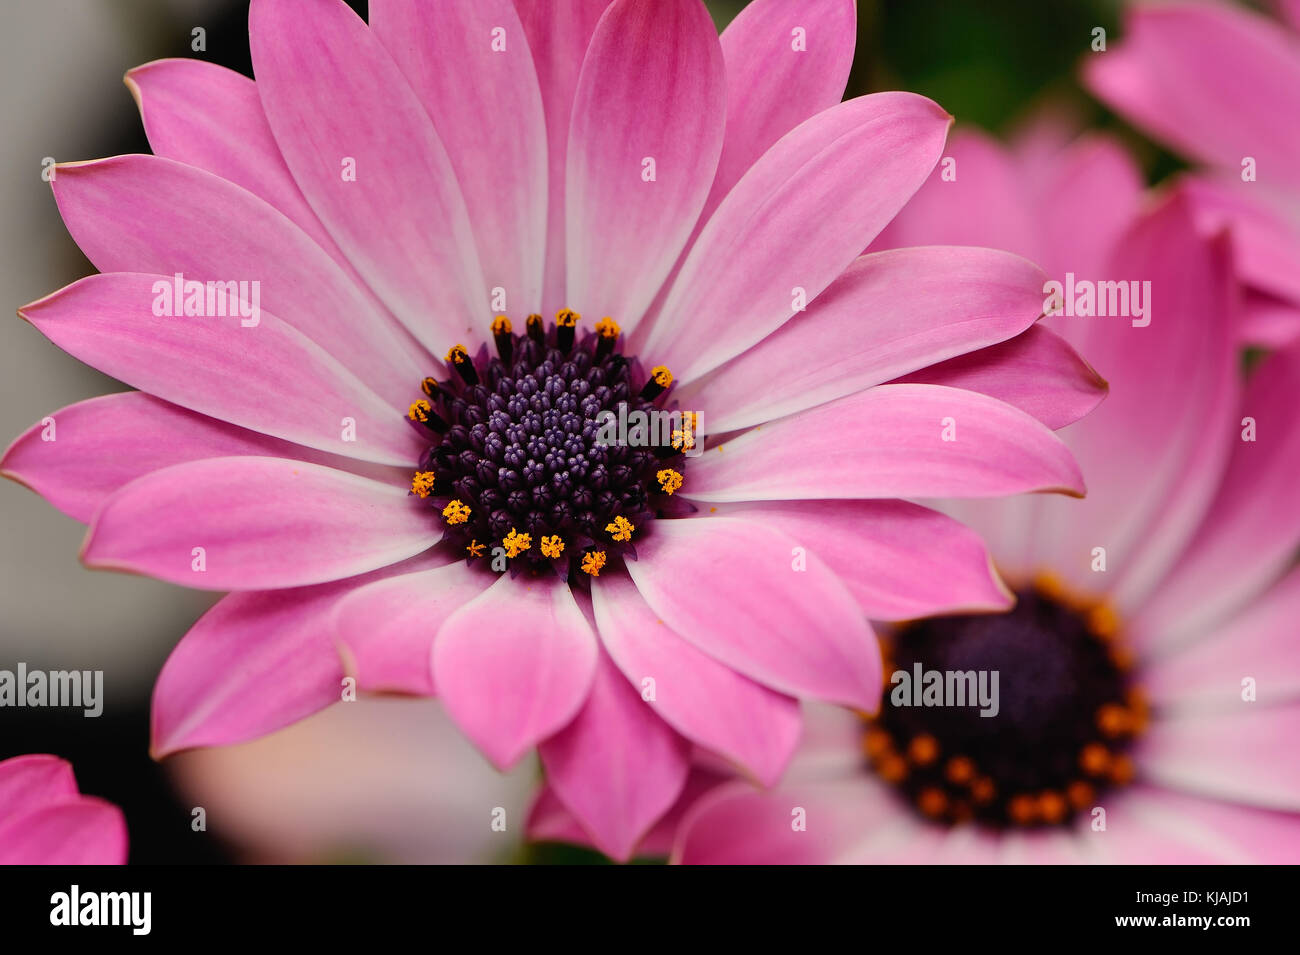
pixel 1221 85
pixel 1148 691
pixel 476 236
pixel 44 819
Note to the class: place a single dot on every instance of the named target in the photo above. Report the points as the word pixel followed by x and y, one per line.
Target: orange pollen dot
pixel 1113 720
pixel 932 801
pixel 475 548
pixel 960 770
pixel 892 768
pixel 1122 770
pixel 1023 809
pixel 419 410
pixel 1052 807
pixel 669 480
pixel 1094 759
pixel 516 543
pixel 501 325
pixel 592 562
pixel 607 328
pixel 923 750
pixel 457 354
pixel 422 483
pixel 552 546
pixel 620 529
pixel 1080 794
pixel 1103 622
pixel 983 790
pixel 661 375
pixel 456 512
pixel 566 318
pixel 876 743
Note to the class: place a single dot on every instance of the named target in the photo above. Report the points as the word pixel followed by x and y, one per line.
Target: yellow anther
pixel 475 548
pixel 607 328
pixel 592 562
pixel 422 483
pixel 516 543
pixel 620 529
pixel 501 326
pixel 566 318
pixel 457 512
pixel 419 410
pixel 661 375
pixel 1103 621
pixel 683 439
pixel 669 480
pixel 429 386
pixel 533 321
pixel 458 354
pixel 552 546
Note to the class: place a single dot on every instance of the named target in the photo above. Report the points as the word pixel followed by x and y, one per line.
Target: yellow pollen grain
pixel 620 529
pixel 422 483
pixel 419 410
pixel 501 325
pixel 566 318
pixel 429 386
pixel 516 543
pixel 607 328
pixel 475 548
pixel 533 321
pixel 661 375
pixel 552 546
pixel 669 480
pixel 683 439
pixel 456 512
pixel 592 562
pixel 457 354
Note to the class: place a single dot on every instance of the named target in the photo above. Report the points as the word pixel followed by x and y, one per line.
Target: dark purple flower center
pixel 1061 712
pixel 533 464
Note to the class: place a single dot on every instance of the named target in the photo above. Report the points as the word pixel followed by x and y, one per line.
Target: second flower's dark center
pixel 532 465
pixel 1051 675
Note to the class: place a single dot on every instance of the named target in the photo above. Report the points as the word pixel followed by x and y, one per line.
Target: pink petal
pixel 269 378
pixel 1037 372
pixel 84 831
pixel 388 626
pixel 1248 535
pixel 889 441
pixel 27 782
pixel 1269 322
pixel 890 313
pixel 1214 81
pixel 624 233
pixel 253 664
pixel 701 698
pixel 797 219
pixel 209 117
pixel 331 94
pixel 487 109
pixel 559 32
pixel 1259 643
pixel 142 214
pixel 261 522
pixel 899 560
pixel 617 766
pixel 99 445
pixel 1244 755
pixel 515 665
pixel 730 588
pixel 772 86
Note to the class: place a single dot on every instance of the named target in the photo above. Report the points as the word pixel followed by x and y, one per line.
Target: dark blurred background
pixel 988 63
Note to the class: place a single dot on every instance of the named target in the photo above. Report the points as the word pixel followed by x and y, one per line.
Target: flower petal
pixel 796 220
pixel 247 523
pixel 268 378
pixel 486 106
pixel 85 831
pixel 27 782
pixel 617 766
pixel 515 665
pixel 370 163
pixel 145 214
pixel 730 587
pixel 899 560
pixel 889 441
pixel 890 313
pixel 701 698
pixel 626 222
pixel 388 626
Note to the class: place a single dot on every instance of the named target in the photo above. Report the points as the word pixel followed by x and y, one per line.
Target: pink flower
pixel 1221 84
pixel 1149 677
pixel 392 188
pixel 44 820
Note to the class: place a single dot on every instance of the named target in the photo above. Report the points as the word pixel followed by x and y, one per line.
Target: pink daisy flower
pixel 1149 677
pixel 44 820
pixel 1221 85
pixel 400 190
